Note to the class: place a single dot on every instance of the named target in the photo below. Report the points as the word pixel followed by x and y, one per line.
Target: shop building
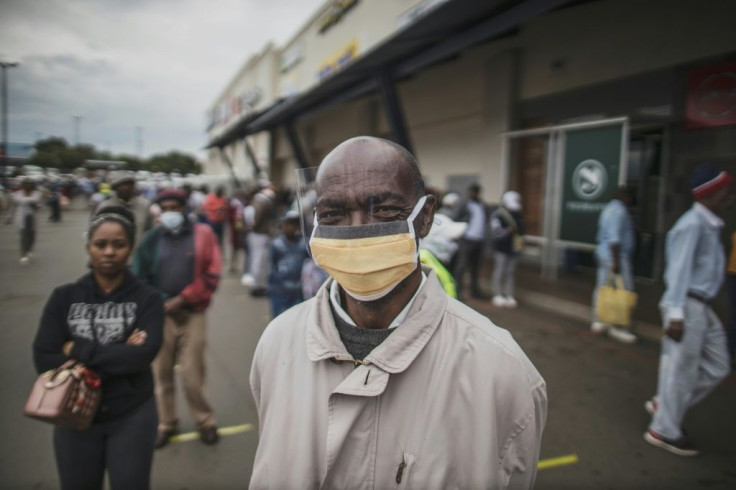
pixel 461 83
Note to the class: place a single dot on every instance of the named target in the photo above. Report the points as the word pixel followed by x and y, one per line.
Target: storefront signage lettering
pixel 235 107
pixel 338 61
pixel 335 13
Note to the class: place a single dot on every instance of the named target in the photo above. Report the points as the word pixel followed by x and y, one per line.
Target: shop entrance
pixel 542 165
pixel 566 175
pixel 646 174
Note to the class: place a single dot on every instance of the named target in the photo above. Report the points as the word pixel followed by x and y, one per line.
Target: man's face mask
pixel 367 261
pixel 172 220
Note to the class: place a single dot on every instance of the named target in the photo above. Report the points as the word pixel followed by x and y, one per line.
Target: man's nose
pixel 358 217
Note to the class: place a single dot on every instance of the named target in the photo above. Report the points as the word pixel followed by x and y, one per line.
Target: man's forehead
pixel 363 183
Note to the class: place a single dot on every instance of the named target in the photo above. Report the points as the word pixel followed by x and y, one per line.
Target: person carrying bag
pixel 67 396
pixel 95 343
pixel 614 303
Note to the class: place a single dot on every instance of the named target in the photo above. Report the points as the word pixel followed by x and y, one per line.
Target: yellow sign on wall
pixel 338 61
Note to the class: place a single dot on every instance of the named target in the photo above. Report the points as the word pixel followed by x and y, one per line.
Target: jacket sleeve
pixel 143 260
pixel 498 232
pixel 521 459
pixel 121 358
pixel 208 276
pixel 681 246
pixel 274 255
pixel 51 335
pixel 462 214
pixel 255 383
pixel 615 226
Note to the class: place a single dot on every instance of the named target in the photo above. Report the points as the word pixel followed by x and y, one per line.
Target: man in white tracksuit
pixel 694 356
pixel 382 380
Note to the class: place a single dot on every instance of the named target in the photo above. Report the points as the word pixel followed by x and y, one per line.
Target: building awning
pixel 441 34
pixel 239 129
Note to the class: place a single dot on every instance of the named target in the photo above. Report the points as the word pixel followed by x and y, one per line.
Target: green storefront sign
pixel 591 171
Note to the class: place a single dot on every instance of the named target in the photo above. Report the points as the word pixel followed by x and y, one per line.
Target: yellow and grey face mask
pixel 367 261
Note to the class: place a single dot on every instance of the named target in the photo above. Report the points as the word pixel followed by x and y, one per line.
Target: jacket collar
pixel 398 351
pixel 710 216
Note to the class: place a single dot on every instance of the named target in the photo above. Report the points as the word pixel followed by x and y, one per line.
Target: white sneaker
pixel 622 335
pixel 511 302
pixel 24 260
pixel 499 301
pixel 598 327
pixel 248 280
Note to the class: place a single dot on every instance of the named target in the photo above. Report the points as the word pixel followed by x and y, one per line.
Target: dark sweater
pixel 359 342
pixel 125 370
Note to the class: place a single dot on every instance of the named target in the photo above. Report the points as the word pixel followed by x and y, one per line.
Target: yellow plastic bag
pixel 614 303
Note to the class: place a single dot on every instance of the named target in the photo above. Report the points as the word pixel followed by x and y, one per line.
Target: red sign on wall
pixel 711 96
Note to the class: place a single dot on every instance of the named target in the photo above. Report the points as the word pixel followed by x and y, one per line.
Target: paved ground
pixel 596 389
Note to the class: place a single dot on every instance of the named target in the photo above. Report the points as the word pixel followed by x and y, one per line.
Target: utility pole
pixel 77 124
pixel 5 65
pixel 139 141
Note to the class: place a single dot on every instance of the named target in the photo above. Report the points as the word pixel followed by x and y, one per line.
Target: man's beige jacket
pixel 448 400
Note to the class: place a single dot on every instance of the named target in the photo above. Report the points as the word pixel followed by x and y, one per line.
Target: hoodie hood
pixel 94 293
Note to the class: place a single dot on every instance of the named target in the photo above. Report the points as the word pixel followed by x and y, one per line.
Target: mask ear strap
pixel 314 230
pixel 415 212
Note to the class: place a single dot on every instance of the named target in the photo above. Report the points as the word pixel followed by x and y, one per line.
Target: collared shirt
pixel 695 260
pixel 709 215
pixel 337 306
pixel 477 224
pixel 615 227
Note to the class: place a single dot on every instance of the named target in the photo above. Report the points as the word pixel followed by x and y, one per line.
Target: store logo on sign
pixel 589 180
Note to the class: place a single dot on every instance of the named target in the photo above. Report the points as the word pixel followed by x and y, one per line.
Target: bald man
pixel 381 379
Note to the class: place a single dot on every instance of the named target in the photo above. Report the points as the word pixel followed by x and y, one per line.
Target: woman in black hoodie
pixel 127 317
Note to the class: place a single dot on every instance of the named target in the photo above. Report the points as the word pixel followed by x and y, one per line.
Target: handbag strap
pixel 616 280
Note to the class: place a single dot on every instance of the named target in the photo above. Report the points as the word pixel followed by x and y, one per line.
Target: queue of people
pixel 373 293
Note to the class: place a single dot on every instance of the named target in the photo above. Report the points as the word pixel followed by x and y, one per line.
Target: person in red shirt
pixel 216 210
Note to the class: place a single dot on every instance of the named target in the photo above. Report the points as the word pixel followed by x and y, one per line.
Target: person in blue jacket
pixel 287 255
pixel 616 241
pixel 694 357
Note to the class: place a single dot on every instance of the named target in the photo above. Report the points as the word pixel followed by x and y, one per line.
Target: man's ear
pixel 425 219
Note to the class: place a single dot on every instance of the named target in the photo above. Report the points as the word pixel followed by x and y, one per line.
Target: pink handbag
pixel 67 396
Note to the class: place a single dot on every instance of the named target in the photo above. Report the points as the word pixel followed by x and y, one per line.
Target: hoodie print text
pixel 111 320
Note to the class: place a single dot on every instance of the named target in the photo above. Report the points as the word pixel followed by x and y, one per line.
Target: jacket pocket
pixel 404 470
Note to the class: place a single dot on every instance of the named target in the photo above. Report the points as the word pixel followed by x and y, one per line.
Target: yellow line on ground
pixel 223 431
pixel 561 461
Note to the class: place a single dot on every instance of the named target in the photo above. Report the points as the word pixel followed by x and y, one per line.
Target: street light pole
pixel 139 141
pixel 5 65
pixel 77 122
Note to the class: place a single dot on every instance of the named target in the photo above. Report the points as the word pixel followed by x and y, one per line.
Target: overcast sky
pixel 158 64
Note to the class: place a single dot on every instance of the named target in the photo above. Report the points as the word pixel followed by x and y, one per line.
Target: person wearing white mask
pixel 182 260
pixel 382 380
pixel 507 232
